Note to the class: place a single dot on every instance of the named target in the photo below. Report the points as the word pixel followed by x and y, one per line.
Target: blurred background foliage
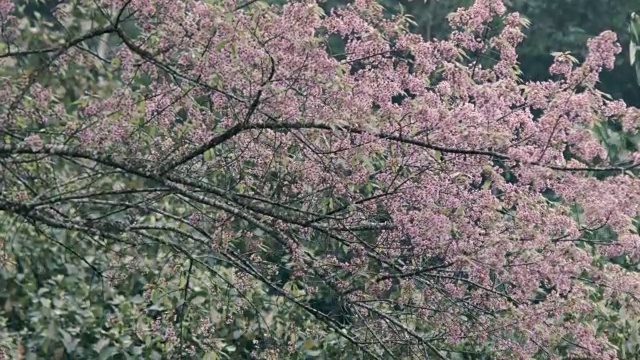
pixel 52 305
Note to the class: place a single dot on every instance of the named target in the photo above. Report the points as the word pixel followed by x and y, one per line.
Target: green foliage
pixel 61 301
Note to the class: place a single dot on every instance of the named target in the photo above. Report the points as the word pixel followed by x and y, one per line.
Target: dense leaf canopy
pixel 207 179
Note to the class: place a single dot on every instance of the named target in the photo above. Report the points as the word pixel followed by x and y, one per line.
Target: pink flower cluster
pixel 478 217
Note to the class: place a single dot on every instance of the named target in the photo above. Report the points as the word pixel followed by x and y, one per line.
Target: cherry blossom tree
pixel 398 196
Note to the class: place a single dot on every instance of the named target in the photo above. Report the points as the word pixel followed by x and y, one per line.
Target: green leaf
pixel 208 155
pixel 68 341
pixel 198 300
pixel 108 352
pixel 438 155
pixel 156 307
pixel 487 184
pixel 221 45
pixel 46 303
pixel 210 356
pixel 101 344
pixel 308 344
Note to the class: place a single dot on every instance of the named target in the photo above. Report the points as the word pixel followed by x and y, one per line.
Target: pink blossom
pixel 459 203
pixel 34 142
